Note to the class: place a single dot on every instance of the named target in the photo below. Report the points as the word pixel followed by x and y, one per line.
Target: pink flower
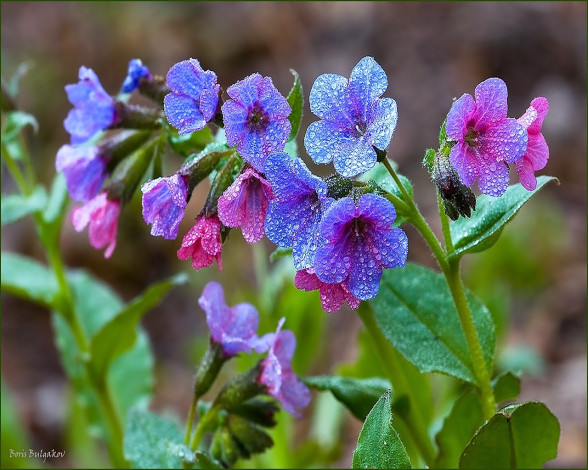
pixel 537 151
pixel 244 204
pixel 333 296
pixel 203 243
pixel 277 375
pixel 102 215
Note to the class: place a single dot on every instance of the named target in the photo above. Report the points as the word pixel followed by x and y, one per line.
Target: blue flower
pixel 135 72
pixel 84 170
pixel 294 215
pixel 354 118
pixel 360 242
pixel 194 96
pixel 256 119
pixel 164 202
pixel 93 108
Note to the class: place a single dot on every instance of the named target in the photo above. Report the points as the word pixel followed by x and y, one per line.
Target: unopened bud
pixel 222 180
pixel 458 199
pixel 136 117
pixel 250 437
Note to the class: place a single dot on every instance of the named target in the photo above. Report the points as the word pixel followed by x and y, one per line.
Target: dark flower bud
pixel 153 87
pixel 209 368
pixel 242 388
pixel 197 167
pixel 250 438
pixel 337 186
pixel 119 146
pixel 257 410
pixel 458 199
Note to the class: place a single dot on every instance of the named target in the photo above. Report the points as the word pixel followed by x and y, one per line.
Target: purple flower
pixel 164 201
pixel 333 296
pixel 537 154
pixel 486 139
pixel 102 215
pixel 235 328
pixel 84 170
pixel 360 242
pixel 93 108
pixel 256 119
pixel 135 72
pixel 203 243
pixel 277 375
pixel 354 118
pixel 194 96
pixel 244 204
pixel 294 215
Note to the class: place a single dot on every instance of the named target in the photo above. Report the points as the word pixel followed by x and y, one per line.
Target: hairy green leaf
pixel 378 445
pixel 16 206
pixel 296 102
pixel 415 312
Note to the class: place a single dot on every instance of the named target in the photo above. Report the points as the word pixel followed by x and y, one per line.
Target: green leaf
pixel 415 312
pixel 119 334
pixel 358 395
pixel 186 144
pixel 57 200
pixel 206 461
pixel 15 121
pixel 279 252
pixel 296 102
pixel 466 417
pixel 378 445
pixel 483 228
pixel 520 436
pixel 151 441
pixel 16 206
pixel 24 277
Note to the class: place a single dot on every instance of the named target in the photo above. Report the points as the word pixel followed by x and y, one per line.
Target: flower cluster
pixel 485 140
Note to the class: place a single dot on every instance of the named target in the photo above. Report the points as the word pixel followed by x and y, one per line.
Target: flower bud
pixel 458 199
pixel 197 167
pixel 209 368
pixel 136 117
pixel 240 389
pixel 256 410
pixel 251 439
pixel 222 180
pixel 337 186
pixel 154 88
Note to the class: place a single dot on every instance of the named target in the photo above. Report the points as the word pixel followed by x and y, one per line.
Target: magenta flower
pixel 244 204
pixel 277 375
pixel 84 170
pixel 164 202
pixel 537 154
pixel 256 119
pixel 93 108
pixel 203 243
pixel 486 139
pixel 333 296
pixel 234 328
pixel 102 215
pixel 194 96
pixel 360 242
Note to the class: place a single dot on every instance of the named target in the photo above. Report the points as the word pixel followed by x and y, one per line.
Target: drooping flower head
pixel 486 139
pixel 244 204
pixel 203 243
pixel 354 118
pixel 135 72
pixel 102 215
pixel 537 154
pixel 256 119
pixel 360 242
pixel 333 296
pixel 84 170
pixel 194 96
pixel 277 375
pixel 235 328
pixel 164 202
pixel 294 215
pixel 93 108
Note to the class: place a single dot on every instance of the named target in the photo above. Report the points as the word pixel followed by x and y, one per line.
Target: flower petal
pixel 493 178
pixel 491 103
pixel 464 161
pixel 330 99
pixel 183 113
pixel 459 116
pixel 506 141
pixel 382 123
pixel 354 157
pixel 367 82
pixel 323 140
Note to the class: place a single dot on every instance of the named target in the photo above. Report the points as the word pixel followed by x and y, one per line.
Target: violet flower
pixel 101 214
pixel 256 119
pixel 203 243
pixel 294 215
pixel 193 100
pixel 277 375
pixel 84 170
pixel 244 204
pixel 164 203
pixel 486 139
pixel 135 72
pixel 93 108
pixel 537 154
pixel 360 242
pixel 354 118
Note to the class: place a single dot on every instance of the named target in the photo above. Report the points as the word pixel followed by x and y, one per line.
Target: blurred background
pixel 533 280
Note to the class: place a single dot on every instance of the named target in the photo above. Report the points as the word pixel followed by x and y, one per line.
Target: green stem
pixel 481 372
pixel 113 424
pixel 416 423
pixel 15 172
pixel 444 225
pixel 191 416
pixel 202 426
